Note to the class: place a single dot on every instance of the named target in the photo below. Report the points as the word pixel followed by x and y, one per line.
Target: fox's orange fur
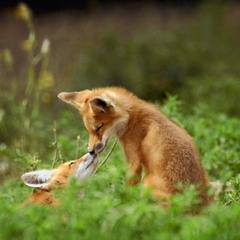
pixel 43 197
pixel 151 142
pixel 45 181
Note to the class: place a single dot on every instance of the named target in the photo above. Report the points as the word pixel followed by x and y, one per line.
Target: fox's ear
pixel 77 99
pixel 100 105
pixel 38 179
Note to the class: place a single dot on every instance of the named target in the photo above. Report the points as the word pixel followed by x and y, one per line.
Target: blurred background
pixel 186 48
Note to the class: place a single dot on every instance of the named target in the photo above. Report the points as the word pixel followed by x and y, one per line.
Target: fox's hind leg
pixel 159 189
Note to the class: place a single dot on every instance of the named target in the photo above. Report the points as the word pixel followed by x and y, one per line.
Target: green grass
pixel 109 209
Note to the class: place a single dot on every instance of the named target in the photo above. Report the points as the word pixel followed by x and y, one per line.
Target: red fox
pixel 47 180
pixel 151 142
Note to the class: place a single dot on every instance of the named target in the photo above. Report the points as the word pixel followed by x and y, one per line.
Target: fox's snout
pixel 97 148
pixel 86 167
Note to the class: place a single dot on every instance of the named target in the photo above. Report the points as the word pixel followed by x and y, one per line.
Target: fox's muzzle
pixel 97 148
pixel 86 167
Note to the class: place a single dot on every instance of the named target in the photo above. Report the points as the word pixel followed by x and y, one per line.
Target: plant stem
pixel 106 158
pixel 55 144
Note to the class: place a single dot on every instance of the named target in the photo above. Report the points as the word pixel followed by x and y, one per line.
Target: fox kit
pixel 151 142
pixel 47 180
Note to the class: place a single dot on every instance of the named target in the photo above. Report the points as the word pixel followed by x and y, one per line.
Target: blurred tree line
pixel 196 59
pixel 44 6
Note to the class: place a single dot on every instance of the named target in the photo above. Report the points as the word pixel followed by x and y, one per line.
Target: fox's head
pixel 103 114
pixel 48 180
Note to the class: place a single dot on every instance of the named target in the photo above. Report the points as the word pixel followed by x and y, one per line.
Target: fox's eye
pixel 71 163
pixel 97 128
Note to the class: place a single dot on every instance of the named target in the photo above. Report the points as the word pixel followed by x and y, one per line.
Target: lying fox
pixel 151 142
pixel 47 180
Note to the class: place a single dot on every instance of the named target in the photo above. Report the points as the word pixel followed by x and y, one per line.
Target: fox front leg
pixel 134 174
pixel 134 160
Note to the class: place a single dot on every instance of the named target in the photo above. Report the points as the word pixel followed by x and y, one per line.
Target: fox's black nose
pixel 91 151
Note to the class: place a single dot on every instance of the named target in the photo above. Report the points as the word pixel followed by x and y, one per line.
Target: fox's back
pixel 167 150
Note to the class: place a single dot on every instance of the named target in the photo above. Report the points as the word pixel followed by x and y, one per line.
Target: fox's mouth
pixel 86 167
pixel 90 160
pixel 101 146
pixel 97 148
